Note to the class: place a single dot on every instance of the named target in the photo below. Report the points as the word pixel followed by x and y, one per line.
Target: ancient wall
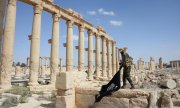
pixel 129 99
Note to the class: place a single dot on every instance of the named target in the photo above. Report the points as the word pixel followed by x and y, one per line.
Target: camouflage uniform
pixel 127 62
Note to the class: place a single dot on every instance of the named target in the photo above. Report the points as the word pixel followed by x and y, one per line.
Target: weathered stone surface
pixel 153 100
pixel 87 91
pixel 111 102
pixel 138 103
pixel 79 77
pixel 64 101
pixel 64 92
pixel 169 83
pixel 127 93
pixel 65 81
pixel 166 101
pixel 84 100
pixel 176 102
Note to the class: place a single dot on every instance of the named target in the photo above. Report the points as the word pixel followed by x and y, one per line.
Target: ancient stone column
pixel 160 63
pixel 177 64
pixel 104 57
pixel 45 59
pixel 60 64
pixel 171 64
pixel 35 46
pixel 109 59
pixel 27 62
pixel 113 58
pixel 18 71
pixel 8 45
pixel 98 61
pixel 43 71
pixel 152 64
pixel 40 66
pixel 90 55
pixel 69 48
pixel 2 11
pixel 117 59
pixel 81 48
pixel 54 49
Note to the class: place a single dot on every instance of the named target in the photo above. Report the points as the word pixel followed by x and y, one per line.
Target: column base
pixel 17 77
pixel 40 88
pixel 33 83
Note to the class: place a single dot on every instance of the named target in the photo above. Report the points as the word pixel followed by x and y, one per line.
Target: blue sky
pixel 146 27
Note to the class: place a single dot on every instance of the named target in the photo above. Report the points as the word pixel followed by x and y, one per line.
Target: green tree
pixel 18 64
pixel 23 65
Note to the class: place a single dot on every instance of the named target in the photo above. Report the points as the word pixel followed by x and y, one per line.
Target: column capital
pixel 56 17
pixel 38 9
pixel 98 35
pixel 81 27
pixel 12 2
pixel 90 32
pixel 70 23
pixel 113 42
pixel 103 37
pixel 109 41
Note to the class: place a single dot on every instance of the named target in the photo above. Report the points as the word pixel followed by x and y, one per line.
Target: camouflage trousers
pixel 126 75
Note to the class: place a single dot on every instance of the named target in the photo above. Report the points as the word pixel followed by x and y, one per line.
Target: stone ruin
pixel 76 88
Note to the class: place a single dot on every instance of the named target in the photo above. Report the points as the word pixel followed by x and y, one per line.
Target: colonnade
pixel 175 64
pixel 109 51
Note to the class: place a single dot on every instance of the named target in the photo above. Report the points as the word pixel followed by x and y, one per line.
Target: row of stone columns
pixel 175 64
pixel 108 53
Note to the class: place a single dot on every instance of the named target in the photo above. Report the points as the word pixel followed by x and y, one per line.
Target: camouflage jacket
pixel 128 60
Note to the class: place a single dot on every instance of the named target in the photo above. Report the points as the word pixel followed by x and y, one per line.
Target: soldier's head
pixel 125 49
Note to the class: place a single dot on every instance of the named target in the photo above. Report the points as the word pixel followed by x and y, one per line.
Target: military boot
pixel 123 87
pixel 132 86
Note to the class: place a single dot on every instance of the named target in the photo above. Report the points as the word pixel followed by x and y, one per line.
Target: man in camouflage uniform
pixel 126 64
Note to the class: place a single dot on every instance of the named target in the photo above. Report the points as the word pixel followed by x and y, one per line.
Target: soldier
pixel 126 64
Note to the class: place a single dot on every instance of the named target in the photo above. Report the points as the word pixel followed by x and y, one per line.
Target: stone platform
pixel 127 98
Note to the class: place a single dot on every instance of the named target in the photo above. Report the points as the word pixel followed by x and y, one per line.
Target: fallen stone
pixel 171 84
pixel 138 103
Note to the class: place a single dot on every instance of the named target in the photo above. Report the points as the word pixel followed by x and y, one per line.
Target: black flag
pixel 112 86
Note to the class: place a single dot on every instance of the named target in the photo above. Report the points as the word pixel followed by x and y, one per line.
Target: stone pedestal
pixel 65 90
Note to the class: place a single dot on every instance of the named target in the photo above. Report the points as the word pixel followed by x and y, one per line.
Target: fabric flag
pixel 112 86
